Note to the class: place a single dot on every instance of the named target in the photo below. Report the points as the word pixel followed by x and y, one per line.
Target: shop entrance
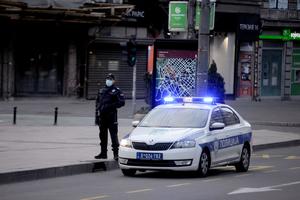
pixel 39 71
pixel 271 73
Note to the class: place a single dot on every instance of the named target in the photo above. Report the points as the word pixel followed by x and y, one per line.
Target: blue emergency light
pixel 204 100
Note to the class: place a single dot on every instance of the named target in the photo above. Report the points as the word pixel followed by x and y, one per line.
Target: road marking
pixel 211 180
pixel 178 185
pixel 137 191
pixel 294 168
pixel 292 158
pixel 257 168
pixel 242 175
pixel 265 156
pixel 271 171
pixel 262 189
pixel 96 197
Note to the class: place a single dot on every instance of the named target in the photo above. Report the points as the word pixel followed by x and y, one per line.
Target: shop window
pixel 297 76
pixel 279 4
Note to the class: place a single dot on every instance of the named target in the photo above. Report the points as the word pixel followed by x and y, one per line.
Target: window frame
pixel 220 113
pixel 279 4
pixel 237 119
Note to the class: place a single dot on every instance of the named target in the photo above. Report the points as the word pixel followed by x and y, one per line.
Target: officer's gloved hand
pixel 97 118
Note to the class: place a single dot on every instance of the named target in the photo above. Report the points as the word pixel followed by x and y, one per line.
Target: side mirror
pixel 216 126
pixel 135 123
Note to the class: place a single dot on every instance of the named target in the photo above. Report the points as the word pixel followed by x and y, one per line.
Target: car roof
pixel 190 105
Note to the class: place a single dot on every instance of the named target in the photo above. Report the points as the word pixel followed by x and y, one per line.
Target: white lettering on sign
pixel 295 35
pixel 249 27
pixel 137 14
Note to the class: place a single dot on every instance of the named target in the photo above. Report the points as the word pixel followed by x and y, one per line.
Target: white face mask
pixel 109 82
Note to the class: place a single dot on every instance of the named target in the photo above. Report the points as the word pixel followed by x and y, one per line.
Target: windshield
pixel 176 118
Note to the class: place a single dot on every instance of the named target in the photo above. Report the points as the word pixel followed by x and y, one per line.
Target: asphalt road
pixel 274 174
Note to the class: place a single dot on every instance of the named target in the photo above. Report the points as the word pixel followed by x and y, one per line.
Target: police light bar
pixel 169 99
pixel 205 100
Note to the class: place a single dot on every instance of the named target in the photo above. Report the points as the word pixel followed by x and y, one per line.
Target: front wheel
pixel 244 163
pixel 128 172
pixel 204 164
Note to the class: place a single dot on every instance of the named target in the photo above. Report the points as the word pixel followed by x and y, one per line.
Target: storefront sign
pixel 287 35
pixel 248 27
pixel 211 15
pixel 178 16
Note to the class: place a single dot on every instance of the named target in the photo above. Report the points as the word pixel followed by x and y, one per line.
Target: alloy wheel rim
pixel 245 158
pixel 204 163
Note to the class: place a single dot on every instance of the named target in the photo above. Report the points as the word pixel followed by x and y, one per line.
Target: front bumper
pixel 186 159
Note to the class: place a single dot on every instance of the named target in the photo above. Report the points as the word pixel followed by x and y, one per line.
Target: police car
pixel 187 134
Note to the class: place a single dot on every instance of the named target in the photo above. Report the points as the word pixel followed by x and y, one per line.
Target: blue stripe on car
pixel 126 136
pixel 227 142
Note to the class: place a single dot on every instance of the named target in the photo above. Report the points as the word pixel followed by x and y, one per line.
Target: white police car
pixel 191 134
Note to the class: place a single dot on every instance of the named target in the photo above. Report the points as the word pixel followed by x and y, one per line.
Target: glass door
pixel 39 72
pixel 271 73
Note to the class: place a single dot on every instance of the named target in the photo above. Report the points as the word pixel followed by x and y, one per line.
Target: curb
pixel 276 145
pixel 286 124
pixel 52 172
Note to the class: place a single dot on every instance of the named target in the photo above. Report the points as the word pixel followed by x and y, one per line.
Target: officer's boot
pixel 116 155
pixel 102 155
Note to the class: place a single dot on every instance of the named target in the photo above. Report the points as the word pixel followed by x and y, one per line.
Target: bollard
pixel 15 116
pixel 55 115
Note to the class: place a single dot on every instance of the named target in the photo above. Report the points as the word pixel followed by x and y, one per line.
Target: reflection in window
pixel 176 118
pixel 229 116
pixel 216 116
pixel 280 4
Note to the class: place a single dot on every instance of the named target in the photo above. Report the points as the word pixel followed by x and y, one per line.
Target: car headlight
pixel 126 143
pixel 184 144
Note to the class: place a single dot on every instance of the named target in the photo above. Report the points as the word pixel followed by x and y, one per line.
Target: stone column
pixel 8 72
pixel 70 76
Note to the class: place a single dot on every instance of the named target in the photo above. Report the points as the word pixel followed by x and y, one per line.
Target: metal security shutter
pixel 107 58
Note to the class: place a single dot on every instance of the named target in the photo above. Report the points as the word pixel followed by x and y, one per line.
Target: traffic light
pixel 131 52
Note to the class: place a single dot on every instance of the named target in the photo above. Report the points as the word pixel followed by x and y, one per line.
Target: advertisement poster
pixel 178 16
pixel 245 63
pixel 175 74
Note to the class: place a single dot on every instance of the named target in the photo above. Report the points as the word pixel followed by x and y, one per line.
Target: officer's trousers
pixel 103 135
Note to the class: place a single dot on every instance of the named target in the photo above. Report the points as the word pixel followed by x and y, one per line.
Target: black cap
pixel 110 76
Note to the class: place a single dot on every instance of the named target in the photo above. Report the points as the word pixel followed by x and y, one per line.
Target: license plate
pixel 149 156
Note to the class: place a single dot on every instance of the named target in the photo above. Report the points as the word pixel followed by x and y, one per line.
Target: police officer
pixel 109 99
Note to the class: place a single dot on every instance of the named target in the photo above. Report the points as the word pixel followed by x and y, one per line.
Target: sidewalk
pixel 34 148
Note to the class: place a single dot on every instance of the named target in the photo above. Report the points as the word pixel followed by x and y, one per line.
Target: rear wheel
pixel 244 163
pixel 128 172
pixel 204 163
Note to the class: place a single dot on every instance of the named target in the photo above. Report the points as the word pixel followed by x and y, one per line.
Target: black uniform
pixel 107 102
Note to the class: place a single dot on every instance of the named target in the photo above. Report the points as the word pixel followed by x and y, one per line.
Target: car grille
pixel 155 147
pixel 151 163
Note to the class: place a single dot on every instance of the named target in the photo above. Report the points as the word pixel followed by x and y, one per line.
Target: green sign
pixel 211 15
pixel 287 35
pixel 178 16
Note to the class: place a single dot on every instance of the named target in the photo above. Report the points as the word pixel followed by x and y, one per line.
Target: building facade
pixel 279 44
pixel 65 48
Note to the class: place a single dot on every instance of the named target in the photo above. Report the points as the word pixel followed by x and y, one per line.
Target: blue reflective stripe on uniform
pixel 227 142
